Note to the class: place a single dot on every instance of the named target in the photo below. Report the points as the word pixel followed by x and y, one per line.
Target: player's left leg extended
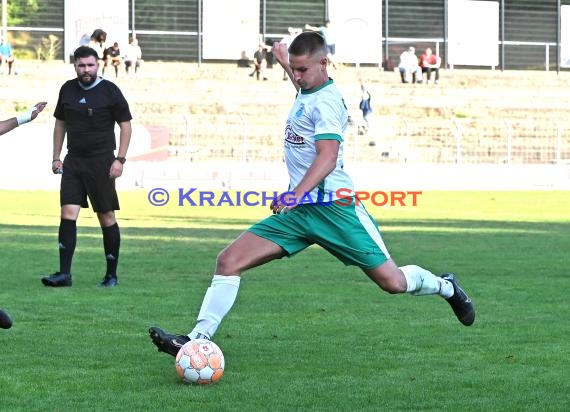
pixel 419 281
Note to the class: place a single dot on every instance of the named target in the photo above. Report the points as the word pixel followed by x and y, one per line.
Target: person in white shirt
pixel 133 57
pixel 98 43
pixel 410 70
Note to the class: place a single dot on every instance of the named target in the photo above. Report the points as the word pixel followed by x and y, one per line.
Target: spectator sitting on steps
pixel 430 62
pixel 410 71
pixel 113 58
pixel 133 57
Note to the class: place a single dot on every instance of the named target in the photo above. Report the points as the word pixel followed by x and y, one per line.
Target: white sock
pixel 218 301
pixel 423 282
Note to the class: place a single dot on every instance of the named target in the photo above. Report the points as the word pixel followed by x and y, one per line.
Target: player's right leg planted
pixel 218 300
pixel 168 342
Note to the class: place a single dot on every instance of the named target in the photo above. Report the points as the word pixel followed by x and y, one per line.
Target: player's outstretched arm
pixel 10 124
pixel 39 107
pixel 281 53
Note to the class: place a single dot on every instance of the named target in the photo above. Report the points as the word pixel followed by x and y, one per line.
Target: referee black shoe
pixel 460 302
pixel 109 281
pixel 167 342
pixel 57 279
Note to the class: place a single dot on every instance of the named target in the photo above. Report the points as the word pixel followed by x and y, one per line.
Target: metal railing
pixel 438 45
pixel 391 139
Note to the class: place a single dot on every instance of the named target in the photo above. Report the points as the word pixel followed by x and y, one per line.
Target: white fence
pixel 457 155
pixel 237 136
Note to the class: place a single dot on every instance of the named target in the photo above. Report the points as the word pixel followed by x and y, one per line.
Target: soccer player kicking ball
pixel 314 138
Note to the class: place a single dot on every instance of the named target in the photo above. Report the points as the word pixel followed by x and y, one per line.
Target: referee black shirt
pixel 90 116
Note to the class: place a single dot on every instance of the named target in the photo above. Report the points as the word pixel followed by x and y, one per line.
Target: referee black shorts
pixel 88 177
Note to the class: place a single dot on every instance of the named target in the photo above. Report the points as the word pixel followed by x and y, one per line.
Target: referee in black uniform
pixel 87 109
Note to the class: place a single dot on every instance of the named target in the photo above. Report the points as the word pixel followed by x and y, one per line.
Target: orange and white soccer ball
pixel 200 361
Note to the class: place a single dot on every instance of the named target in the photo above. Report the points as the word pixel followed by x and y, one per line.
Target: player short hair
pixel 308 42
pixel 84 51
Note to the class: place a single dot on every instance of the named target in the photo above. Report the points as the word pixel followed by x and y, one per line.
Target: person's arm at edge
pixel 13 122
pixel 8 125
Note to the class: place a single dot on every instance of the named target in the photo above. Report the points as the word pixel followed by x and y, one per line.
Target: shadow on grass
pixel 237 225
pixel 490 246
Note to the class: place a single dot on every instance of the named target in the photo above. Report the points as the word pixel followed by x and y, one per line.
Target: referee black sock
pixel 67 240
pixel 112 244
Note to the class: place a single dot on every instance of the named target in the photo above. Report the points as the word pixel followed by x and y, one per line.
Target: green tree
pixel 22 12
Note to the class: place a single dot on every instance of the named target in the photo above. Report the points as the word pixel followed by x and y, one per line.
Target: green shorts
pixel 346 231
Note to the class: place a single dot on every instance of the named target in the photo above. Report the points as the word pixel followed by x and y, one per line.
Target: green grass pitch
pixel 306 333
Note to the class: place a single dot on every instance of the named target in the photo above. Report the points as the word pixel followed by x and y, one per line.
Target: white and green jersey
pixel 317 114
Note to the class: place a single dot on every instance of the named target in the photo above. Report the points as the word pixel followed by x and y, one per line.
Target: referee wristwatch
pixel 121 159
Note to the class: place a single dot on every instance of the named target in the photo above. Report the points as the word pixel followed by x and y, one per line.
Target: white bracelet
pixel 26 117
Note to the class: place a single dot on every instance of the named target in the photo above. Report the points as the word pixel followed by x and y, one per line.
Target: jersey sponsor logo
pixel 292 138
pixel 83 101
